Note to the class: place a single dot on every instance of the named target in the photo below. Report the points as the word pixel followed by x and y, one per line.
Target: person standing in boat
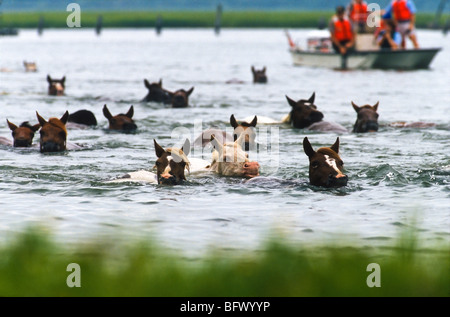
pixel 389 38
pixel 357 13
pixel 404 13
pixel 342 34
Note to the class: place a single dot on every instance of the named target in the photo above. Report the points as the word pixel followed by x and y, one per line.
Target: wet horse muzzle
pixel 337 180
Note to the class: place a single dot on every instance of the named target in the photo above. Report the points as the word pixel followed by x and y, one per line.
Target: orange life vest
pixel 343 30
pixel 401 11
pixel 359 12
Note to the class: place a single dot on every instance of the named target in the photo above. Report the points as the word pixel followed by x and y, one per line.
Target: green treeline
pixel 172 19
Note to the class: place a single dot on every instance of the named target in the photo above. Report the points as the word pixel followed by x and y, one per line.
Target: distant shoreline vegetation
pixel 187 19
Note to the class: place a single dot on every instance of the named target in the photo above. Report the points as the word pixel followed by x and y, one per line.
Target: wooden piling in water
pixel 218 21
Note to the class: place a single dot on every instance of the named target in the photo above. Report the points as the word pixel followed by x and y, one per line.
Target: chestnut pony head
pixel 53 133
pixel 325 165
pixel 56 86
pixel 24 134
pixel 244 128
pixel 304 112
pixel 229 159
pixel 367 119
pixel 120 122
pixel 180 98
pixel 259 76
pixel 157 93
pixel 171 163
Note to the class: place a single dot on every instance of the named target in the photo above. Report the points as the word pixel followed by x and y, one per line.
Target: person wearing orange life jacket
pixel 357 13
pixel 342 34
pixel 404 13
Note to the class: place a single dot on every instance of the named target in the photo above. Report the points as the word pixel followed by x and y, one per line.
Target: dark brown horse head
pixel 30 66
pixel 56 86
pixel 171 163
pixel 325 165
pixel 157 93
pixel 367 120
pixel 259 75
pixel 304 112
pixel 24 134
pixel 246 129
pixel 120 122
pixel 53 133
pixel 180 98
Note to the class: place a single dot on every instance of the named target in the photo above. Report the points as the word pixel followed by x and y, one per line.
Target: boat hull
pixel 399 59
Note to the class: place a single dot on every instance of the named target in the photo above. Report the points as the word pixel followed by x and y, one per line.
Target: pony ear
pixel 375 106
pixel 291 102
pixel 130 112
pixel 189 92
pixel 253 69
pixel 106 112
pixel 186 147
pixel 160 82
pixel 335 146
pixel 49 79
pixel 254 121
pixel 312 98
pixel 63 80
pixel 309 151
pixel 216 144
pixel 12 126
pixel 355 107
pixel 264 69
pixel 233 121
pixel 40 119
pixel 158 149
pixel 35 127
pixel 65 117
pixel 147 84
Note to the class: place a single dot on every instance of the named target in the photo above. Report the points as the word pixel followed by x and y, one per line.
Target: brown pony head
pixel 259 76
pixel 246 129
pixel 24 134
pixel 120 122
pixel 157 93
pixel 53 133
pixel 180 98
pixel 56 86
pixel 171 163
pixel 304 112
pixel 325 165
pixel 367 120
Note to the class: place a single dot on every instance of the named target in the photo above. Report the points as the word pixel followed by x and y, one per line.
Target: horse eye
pixel 315 164
pixel 341 163
pixel 157 163
pixel 377 115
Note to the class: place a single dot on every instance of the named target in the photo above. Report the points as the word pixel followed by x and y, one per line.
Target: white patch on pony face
pixel 332 162
pixel 168 168
pixel 307 104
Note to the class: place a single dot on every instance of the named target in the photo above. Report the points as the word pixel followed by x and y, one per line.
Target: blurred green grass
pixel 33 264
pixel 238 19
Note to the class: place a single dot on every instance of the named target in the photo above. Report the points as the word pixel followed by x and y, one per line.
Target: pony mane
pixel 57 123
pixel 178 152
pixel 326 151
pixel 26 124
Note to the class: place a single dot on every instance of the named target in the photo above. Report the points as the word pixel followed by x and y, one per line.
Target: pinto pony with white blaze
pixel 325 165
pixel 56 86
pixel 171 163
pixel 229 159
